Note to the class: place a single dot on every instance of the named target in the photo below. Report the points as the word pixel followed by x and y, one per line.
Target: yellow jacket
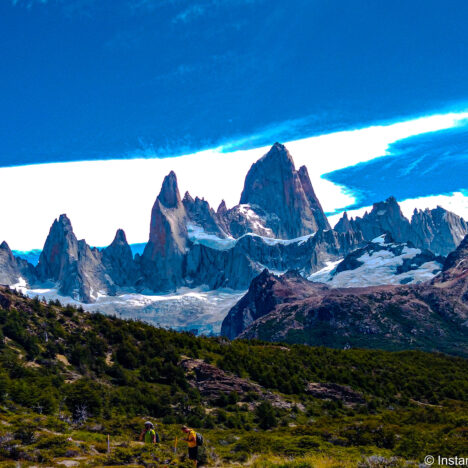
pixel 192 439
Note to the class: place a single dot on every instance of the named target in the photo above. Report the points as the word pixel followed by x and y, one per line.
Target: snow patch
pixel 379 240
pixel 378 268
pixel 197 235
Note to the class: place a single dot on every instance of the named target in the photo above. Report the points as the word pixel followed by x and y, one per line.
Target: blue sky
pixel 92 79
pixel 419 166
pixel 115 89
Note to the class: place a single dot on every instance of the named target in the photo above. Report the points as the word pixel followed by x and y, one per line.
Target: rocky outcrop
pixel 432 316
pixel 456 262
pixel 75 267
pixel 284 196
pixel 162 262
pixel 439 230
pixel 213 383
pixel 14 270
pixel 335 392
pixel 244 219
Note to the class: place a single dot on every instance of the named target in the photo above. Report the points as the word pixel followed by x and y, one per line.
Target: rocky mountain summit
pixel 76 268
pixel 275 188
pixel 437 230
pixel 440 230
pixel 431 316
pixel 163 258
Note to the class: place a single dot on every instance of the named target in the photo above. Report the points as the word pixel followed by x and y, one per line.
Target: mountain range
pixel 278 226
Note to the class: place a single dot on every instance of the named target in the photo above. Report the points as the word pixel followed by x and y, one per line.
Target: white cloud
pixel 101 196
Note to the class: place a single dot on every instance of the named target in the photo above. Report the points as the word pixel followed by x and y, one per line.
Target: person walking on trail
pixel 148 434
pixel 192 444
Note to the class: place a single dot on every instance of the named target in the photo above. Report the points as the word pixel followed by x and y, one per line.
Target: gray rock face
pixel 439 230
pixel 13 269
pixel 285 195
pixel 315 206
pixel 60 250
pixel 235 267
pixel 162 261
pixel 76 268
pixel 118 262
pixel 279 225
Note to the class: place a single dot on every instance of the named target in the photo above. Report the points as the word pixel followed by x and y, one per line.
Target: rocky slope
pixel 430 316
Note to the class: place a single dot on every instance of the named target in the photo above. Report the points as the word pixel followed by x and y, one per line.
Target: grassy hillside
pixel 69 378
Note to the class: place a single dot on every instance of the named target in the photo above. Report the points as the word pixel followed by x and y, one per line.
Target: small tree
pixel 266 415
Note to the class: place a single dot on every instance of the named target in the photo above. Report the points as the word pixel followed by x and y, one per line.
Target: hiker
pixel 192 444
pixel 148 434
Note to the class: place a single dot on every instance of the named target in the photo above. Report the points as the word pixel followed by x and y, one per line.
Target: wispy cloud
pixel 199 9
pixel 190 13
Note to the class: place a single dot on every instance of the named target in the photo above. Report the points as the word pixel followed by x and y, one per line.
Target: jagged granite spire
pixel 75 267
pixel 440 231
pixel 118 261
pixel 286 195
pixel 222 208
pixel 437 230
pixel 60 250
pixel 344 224
pixel 162 259
pixel 387 217
pixel 169 195
pixel 314 202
